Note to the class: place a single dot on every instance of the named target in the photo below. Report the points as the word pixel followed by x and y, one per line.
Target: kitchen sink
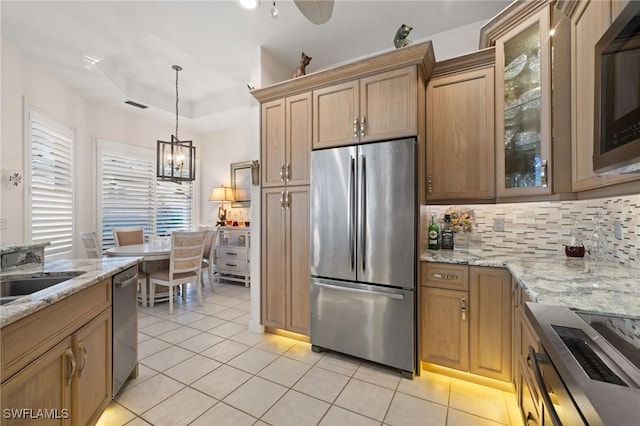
pixel 16 287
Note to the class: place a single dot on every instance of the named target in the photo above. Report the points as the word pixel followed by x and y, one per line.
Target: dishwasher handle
pixel 125 283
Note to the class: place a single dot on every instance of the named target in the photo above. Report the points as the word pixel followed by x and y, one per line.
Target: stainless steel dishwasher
pixel 125 327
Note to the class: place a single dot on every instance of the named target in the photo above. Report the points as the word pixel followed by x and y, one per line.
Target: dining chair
pixel 185 264
pixel 209 253
pixel 92 245
pixel 126 236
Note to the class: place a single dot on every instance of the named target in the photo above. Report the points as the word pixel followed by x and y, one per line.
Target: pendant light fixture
pixel 176 160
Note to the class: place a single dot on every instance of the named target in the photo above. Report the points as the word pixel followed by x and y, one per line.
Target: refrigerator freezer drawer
pixel 369 322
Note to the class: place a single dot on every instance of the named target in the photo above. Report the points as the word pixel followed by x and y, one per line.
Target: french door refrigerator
pixel 363 251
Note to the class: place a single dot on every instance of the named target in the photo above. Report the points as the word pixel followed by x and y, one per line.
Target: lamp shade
pixel 221 193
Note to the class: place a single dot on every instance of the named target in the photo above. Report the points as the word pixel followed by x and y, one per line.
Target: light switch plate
pixel 498 224
pixel 617 229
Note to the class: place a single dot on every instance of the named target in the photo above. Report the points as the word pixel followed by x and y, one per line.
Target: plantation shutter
pixel 52 196
pixel 127 195
pixel 131 195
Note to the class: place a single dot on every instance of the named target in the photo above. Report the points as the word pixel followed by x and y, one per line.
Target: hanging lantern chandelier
pixel 176 160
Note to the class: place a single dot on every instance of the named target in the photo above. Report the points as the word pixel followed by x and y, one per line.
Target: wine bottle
pixel 434 234
pixel 447 234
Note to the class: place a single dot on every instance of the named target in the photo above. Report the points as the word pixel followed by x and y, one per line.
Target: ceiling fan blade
pixel 316 11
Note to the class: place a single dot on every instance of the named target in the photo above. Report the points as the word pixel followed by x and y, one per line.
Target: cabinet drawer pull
pixel 355 127
pixel 282 173
pixel 231 253
pixel 71 357
pixel 231 264
pixel 82 349
pixel 445 276
pixel 362 123
pixel 429 184
pixel 287 172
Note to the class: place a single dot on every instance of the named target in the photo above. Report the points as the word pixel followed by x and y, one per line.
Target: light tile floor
pixel 202 366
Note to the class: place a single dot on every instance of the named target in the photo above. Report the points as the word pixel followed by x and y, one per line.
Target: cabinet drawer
pixel 442 275
pixel 32 336
pixel 232 253
pixel 232 266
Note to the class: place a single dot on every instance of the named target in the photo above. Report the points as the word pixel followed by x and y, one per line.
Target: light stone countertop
pixel 576 283
pixel 95 270
pixel 12 247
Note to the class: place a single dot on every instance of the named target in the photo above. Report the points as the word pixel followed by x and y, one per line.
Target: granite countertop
pixel 576 283
pixel 94 271
pixel 12 247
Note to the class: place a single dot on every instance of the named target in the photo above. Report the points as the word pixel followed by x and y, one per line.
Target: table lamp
pixel 221 194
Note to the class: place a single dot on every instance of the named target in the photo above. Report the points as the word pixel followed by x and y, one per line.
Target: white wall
pixel 23 78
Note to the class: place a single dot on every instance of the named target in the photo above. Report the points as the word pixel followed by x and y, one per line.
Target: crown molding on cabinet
pixel 418 54
pixel 511 16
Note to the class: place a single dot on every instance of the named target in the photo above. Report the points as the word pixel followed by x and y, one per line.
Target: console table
pixel 233 254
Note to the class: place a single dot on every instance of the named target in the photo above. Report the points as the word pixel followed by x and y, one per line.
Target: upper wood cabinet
pixel 377 107
pixel 533 134
pixel 286 141
pixel 460 129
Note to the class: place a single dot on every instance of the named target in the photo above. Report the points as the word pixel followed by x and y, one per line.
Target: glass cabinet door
pixel 523 111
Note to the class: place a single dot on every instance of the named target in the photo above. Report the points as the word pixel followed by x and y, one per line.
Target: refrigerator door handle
pixel 356 290
pixel 351 213
pixel 363 210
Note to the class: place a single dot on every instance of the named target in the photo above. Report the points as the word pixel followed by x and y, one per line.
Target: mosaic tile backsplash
pixel 546 226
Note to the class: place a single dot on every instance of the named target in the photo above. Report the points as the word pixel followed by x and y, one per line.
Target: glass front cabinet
pixel 523 108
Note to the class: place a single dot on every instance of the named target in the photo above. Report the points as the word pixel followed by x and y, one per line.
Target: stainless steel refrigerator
pixel 363 251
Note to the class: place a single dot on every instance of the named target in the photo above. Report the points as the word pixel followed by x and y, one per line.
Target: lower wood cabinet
pixel 285 258
pixel 467 318
pixel 524 336
pixel 64 378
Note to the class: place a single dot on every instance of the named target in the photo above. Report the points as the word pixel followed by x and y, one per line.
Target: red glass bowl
pixel 574 251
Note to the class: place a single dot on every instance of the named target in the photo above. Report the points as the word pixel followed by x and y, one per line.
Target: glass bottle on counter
pixel 434 234
pixel 447 234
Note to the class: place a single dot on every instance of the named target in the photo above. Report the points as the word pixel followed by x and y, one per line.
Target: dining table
pixel 155 257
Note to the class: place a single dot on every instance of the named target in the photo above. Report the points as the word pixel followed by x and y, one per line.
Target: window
pixel 130 195
pixel 50 209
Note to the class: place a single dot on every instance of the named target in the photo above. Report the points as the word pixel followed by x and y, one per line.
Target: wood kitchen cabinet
pixel 60 358
pixel 589 21
pixel 286 141
pixel 526 391
pixel 532 101
pixel 460 129
pixel 466 317
pixel 285 258
pixel 490 322
pixel 378 107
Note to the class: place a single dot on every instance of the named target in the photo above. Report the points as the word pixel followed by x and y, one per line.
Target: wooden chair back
pixel 186 252
pixel 127 236
pixel 92 245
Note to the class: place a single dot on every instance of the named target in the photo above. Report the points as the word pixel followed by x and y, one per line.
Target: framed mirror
pixel 241 183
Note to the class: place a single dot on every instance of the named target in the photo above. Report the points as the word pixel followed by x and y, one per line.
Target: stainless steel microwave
pixel 616 148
